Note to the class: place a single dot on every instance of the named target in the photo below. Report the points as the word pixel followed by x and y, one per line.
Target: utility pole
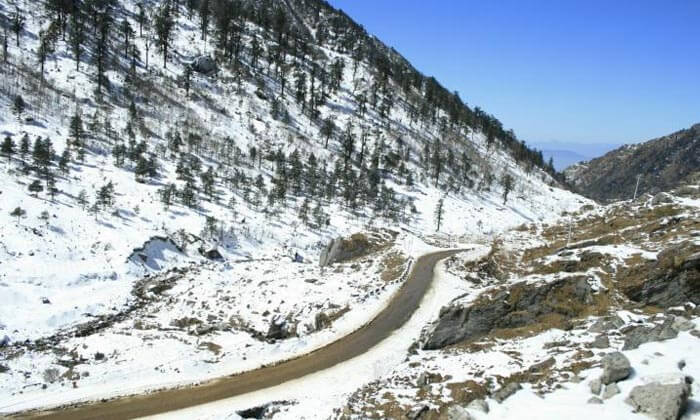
pixel 636 187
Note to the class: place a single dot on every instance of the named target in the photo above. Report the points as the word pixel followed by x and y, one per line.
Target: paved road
pixel 399 310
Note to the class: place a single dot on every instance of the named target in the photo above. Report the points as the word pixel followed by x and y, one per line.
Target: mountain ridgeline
pixel 660 164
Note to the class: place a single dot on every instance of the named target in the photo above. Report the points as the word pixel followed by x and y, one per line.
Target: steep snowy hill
pixel 195 140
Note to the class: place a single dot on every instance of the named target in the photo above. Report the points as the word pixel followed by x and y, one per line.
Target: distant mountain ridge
pixel 661 164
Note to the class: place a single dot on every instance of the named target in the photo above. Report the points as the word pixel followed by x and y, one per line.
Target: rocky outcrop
pixel 204 65
pixel 672 280
pixel 661 402
pixel 356 246
pixel 520 305
pixel 637 335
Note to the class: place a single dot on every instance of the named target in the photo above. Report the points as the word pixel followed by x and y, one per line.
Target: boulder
pixel 5 341
pixel 638 335
pixel 204 65
pixel 506 391
pixel 280 329
pixel 479 405
pixel 523 304
pixel 661 402
pixel 606 324
pixel 662 198
pixel 321 321
pixel 595 400
pixel 600 342
pixel 610 391
pixel 455 412
pixel 616 367
pixel 595 386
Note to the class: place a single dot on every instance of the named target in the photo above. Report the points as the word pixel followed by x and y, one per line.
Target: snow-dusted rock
pixel 455 412
pixel 479 405
pixel 506 391
pixel 600 342
pixel 616 367
pixel 661 402
pixel 606 324
pixel 595 386
pixel 595 400
pixel 610 391
pixel 638 335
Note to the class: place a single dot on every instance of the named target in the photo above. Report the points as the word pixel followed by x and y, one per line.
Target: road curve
pixel 395 315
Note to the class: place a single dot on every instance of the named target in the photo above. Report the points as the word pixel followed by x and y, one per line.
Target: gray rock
pixel 681 364
pixel 542 366
pixel 203 64
pixel 610 391
pixel 682 324
pixel 606 324
pixel 455 412
pixel 479 405
pixel 695 333
pixel 638 335
pixel 458 323
pixel 616 367
pixel 595 400
pixel 662 198
pixel 417 412
pixel 595 386
pixel 600 342
pixel 661 402
pixel 422 380
pixel 321 321
pixel 506 391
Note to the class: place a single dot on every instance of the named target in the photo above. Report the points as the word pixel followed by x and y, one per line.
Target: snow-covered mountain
pixel 145 143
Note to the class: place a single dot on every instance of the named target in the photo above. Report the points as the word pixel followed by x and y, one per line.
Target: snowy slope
pixel 79 264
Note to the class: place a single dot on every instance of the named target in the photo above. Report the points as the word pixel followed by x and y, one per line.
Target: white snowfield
pixel 75 265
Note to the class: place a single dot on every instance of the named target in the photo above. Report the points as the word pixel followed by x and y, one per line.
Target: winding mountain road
pixel 396 314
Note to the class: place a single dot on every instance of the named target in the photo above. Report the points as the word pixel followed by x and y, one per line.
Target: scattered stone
pixel 610 391
pixel 455 412
pixel 661 402
pixel 682 324
pixel 542 366
pixel 479 405
pixel 600 342
pixel 606 324
pixel 595 400
pixel 417 413
pixel 681 364
pixel 695 333
pixel 616 367
pixel 595 386
pixel 506 391
pixel 45 301
pixel 99 356
pixel 5 341
pixel 422 380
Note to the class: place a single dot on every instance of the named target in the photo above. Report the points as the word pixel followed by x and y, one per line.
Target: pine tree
pixel 51 189
pixel 35 187
pixel 18 106
pixel 17 23
pixel 18 212
pixel 82 199
pixel 77 36
pixel 8 148
pixel 208 180
pixel 439 212
pixel 327 129
pixel 507 183
pixel 188 195
pixel 77 135
pixel 164 25
pixel 24 146
pixel 304 211
pixel 166 194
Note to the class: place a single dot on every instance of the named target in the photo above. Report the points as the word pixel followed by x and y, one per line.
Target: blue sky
pixel 576 72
